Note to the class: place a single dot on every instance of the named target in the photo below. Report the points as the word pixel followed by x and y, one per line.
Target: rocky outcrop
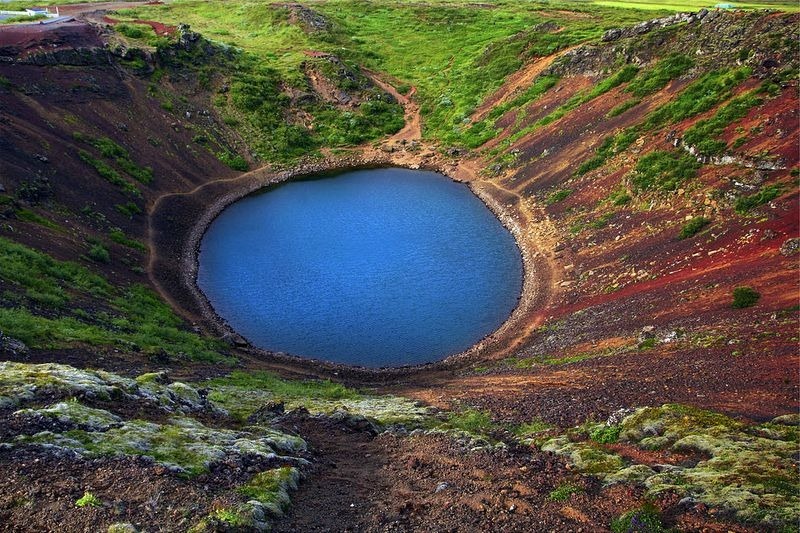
pixel 713 39
pixel 310 20
pixel 647 26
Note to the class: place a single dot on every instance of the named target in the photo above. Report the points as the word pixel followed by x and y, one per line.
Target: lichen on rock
pixel 748 470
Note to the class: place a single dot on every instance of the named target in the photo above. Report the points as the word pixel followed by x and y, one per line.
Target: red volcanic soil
pixel 29 38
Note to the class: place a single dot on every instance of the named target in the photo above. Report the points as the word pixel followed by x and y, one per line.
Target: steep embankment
pixel 645 176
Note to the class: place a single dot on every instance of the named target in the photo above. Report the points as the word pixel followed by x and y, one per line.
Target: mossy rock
pixel 74 414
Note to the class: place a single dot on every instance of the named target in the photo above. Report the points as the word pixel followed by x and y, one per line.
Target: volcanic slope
pixel 649 173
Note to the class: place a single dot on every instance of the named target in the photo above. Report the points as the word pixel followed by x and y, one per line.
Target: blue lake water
pixel 378 267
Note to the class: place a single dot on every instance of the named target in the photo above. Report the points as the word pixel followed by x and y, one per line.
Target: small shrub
pixel 88 500
pixel 129 209
pixel 605 434
pixel 645 519
pixel 563 492
pixel 745 297
pixel 693 227
pixel 647 343
pixel 764 195
pixel 99 253
pixel 235 161
pixel 557 196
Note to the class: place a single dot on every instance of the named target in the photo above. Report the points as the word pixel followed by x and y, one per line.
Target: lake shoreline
pixel 179 221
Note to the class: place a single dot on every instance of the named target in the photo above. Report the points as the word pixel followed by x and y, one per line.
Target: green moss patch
pixel 747 470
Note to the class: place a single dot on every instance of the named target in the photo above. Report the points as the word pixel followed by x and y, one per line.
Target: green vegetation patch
pixel 23 19
pixel 29 216
pixel 645 519
pixel 700 96
pixel 563 492
pixel 135 318
pixel 471 421
pixel 271 488
pixel 109 174
pixel 745 297
pixel 88 500
pixel 75 414
pixel 703 135
pixel 22 383
pixel 45 280
pixel 557 196
pixel 113 151
pixel 119 237
pixel 623 75
pixel 656 78
pixel 767 193
pixel 664 171
pixel 693 227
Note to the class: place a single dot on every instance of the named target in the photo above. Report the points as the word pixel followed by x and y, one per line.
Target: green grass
pixel 22 18
pixel 557 196
pixel 767 193
pixel 134 318
pixel 700 96
pixel 113 151
pixel 693 227
pixel 664 171
pixel 436 47
pixel 563 492
pixel 29 216
pixel 109 174
pixel 745 297
pixel 119 237
pixel 142 33
pixel 704 134
pixel 480 132
pixel 470 420
pixel 128 209
pixel 656 78
pixel 623 75
pixel 282 388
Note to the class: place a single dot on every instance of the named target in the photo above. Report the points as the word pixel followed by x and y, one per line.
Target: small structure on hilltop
pixel 724 6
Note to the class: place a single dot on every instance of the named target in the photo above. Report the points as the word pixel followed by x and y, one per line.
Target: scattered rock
pixel 267 412
pixel 648 332
pixel 12 346
pixel 790 247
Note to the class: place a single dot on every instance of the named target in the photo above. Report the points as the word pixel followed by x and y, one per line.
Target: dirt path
pixel 516 82
pixel 344 480
pixel 413 128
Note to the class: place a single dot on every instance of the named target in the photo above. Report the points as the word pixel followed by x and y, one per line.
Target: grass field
pixel 455 53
